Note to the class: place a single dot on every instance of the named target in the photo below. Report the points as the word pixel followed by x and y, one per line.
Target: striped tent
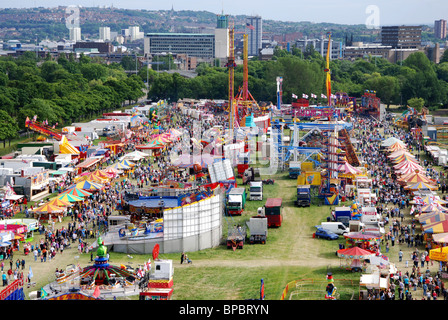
pixel 70 198
pixel 74 191
pixel 89 185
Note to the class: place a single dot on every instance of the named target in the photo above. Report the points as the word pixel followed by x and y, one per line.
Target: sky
pixel 371 12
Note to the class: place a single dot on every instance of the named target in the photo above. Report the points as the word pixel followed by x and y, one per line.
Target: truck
pixel 258 228
pixel 303 196
pixel 251 174
pixel 336 227
pixel 256 190
pixel 294 169
pixel 236 201
pixel 342 214
pixel 358 226
pixel 272 209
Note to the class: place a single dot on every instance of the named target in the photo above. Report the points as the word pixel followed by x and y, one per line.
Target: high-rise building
pixel 105 34
pixel 75 34
pixel 440 29
pixel 135 34
pixel 254 27
pixel 222 37
pixel 404 37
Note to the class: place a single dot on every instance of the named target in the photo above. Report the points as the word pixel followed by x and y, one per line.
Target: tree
pixel 416 103
pixel 8 127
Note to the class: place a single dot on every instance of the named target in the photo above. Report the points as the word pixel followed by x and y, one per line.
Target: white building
pixel 135 33
pixel 75 34
pixel 105 34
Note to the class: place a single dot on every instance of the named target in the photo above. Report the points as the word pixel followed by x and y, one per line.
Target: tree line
pixel 62 91
pixel 303 72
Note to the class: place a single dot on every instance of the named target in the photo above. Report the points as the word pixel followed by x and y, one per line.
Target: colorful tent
pixel 127 163
pixel 402 158
pixel 119 166
pixel 59 202
pixel 49 208
pixel 88 185
pixel 420 185
pixel 436 227
pixel 437 217
pixel 408 168
pixel 390 141
pixel 77 192
pixel 94 176
pixel 346 169
pixel 414 177
pixel 70 198
pixel 399 153
pixel 396 146
pixel 354 253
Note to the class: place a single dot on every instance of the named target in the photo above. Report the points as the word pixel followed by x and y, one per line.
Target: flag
pixel 313 95
pixel 251 27
pixel 304 96
pixel 97 292
pixel 323 96
pixel 262 290
pixel 294 96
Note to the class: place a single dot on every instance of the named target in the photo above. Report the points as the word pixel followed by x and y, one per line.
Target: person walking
pixel 400 256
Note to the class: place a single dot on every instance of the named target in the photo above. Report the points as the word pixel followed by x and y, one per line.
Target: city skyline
pixel 341 12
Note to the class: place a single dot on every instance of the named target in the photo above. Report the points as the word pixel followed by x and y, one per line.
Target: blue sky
pixel 388 12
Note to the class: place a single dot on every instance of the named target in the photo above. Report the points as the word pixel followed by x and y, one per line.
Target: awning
pixel 5 244
pixel 88 163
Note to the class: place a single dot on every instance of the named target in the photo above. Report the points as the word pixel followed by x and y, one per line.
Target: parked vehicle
pixel 251 174
pixel 303 196
pixel 256 190
pixel 273 211
pixel 336 227
pixel 325 234
pixel 258 229
pixel 236 201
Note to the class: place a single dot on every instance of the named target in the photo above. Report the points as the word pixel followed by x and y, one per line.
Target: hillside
pixel 27 24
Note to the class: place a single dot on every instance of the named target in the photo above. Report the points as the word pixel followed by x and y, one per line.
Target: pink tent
pixel 347 168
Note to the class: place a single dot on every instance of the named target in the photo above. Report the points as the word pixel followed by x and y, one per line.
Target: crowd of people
pixel 393 203
pixel 89 219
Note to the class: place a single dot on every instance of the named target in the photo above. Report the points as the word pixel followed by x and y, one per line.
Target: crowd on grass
pixel 392 201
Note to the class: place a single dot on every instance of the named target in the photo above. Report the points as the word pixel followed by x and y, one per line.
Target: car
pixel 325 234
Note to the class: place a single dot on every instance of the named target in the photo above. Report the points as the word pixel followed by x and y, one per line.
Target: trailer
pixel 258 228
pixel 235 237
pixel 273 212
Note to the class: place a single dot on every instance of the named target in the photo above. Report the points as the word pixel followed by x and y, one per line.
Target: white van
pixel 336 227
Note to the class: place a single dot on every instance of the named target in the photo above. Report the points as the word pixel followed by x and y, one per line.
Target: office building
pixel 254 29
pixel 440 29
pixel 75 34
pixel 321 46
pixel 404 37
pixel 105 34
pixel 200 45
